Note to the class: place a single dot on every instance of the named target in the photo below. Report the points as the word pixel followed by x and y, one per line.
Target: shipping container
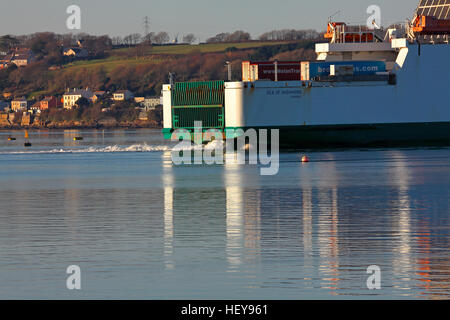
pixel 311 70
pixel 287 71
pixel 246 71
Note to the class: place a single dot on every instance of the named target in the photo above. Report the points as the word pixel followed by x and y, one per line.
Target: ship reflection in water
pixel 321 234
pixel 140 227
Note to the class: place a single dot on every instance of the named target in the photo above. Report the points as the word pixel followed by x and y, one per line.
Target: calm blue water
pixel 141 228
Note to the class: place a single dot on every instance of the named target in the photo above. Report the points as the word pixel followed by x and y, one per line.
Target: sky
pixel 204 18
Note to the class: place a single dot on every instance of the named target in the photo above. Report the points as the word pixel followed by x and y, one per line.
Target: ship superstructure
pixel 366 87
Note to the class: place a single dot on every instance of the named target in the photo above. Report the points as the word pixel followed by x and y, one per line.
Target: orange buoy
pixel 305 159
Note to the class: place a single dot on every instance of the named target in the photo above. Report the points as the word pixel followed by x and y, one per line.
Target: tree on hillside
pixel 44 45
pixel 132 39
pixel 117 41
pixel 97 45
pixel 238 36
pixel 124 111
pixel 136 38
pixel 4 76
pixel 128 40
pixel 148 38
pixel 66 40
pixel 8 42
pixel 83 102
pixel 295 55
pixel 161 38
pixel 289 35
pixel 189 38
pixel 218 38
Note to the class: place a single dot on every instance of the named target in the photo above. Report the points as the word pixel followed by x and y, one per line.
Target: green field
pixel 207 47
pixel 112 62
pixel 150 55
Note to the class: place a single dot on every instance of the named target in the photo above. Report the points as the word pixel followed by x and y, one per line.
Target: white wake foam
pixel 116 148
pixel 108 149
pixel 216 144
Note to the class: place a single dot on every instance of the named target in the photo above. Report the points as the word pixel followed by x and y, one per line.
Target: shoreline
pixel 64 126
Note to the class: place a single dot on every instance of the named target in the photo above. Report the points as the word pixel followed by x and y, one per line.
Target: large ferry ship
pixel 368 87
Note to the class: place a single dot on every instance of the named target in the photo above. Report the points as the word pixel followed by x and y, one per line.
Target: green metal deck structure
pixel 198 101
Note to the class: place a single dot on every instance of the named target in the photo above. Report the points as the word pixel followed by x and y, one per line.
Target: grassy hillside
pixel 111 63
pixel 144 55
pixel 208 47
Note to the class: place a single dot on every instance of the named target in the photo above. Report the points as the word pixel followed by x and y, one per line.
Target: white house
pixel 20 104
pixel 71 97
pixel 151 103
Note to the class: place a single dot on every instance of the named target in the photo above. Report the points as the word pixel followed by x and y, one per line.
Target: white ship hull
pixel 414 110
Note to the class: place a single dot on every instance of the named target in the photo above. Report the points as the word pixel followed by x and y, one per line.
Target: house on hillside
pixel 35 107
pixel 19 104
pixel 123 95
pixel 139 100
pixel 49 102
pixel 5 60
pixel 71 97
pixel 75 52
pixel 22 57
pixel 27 119
pixel 150 103
pixel 11 117
pixel 98 95
pixel 4 121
